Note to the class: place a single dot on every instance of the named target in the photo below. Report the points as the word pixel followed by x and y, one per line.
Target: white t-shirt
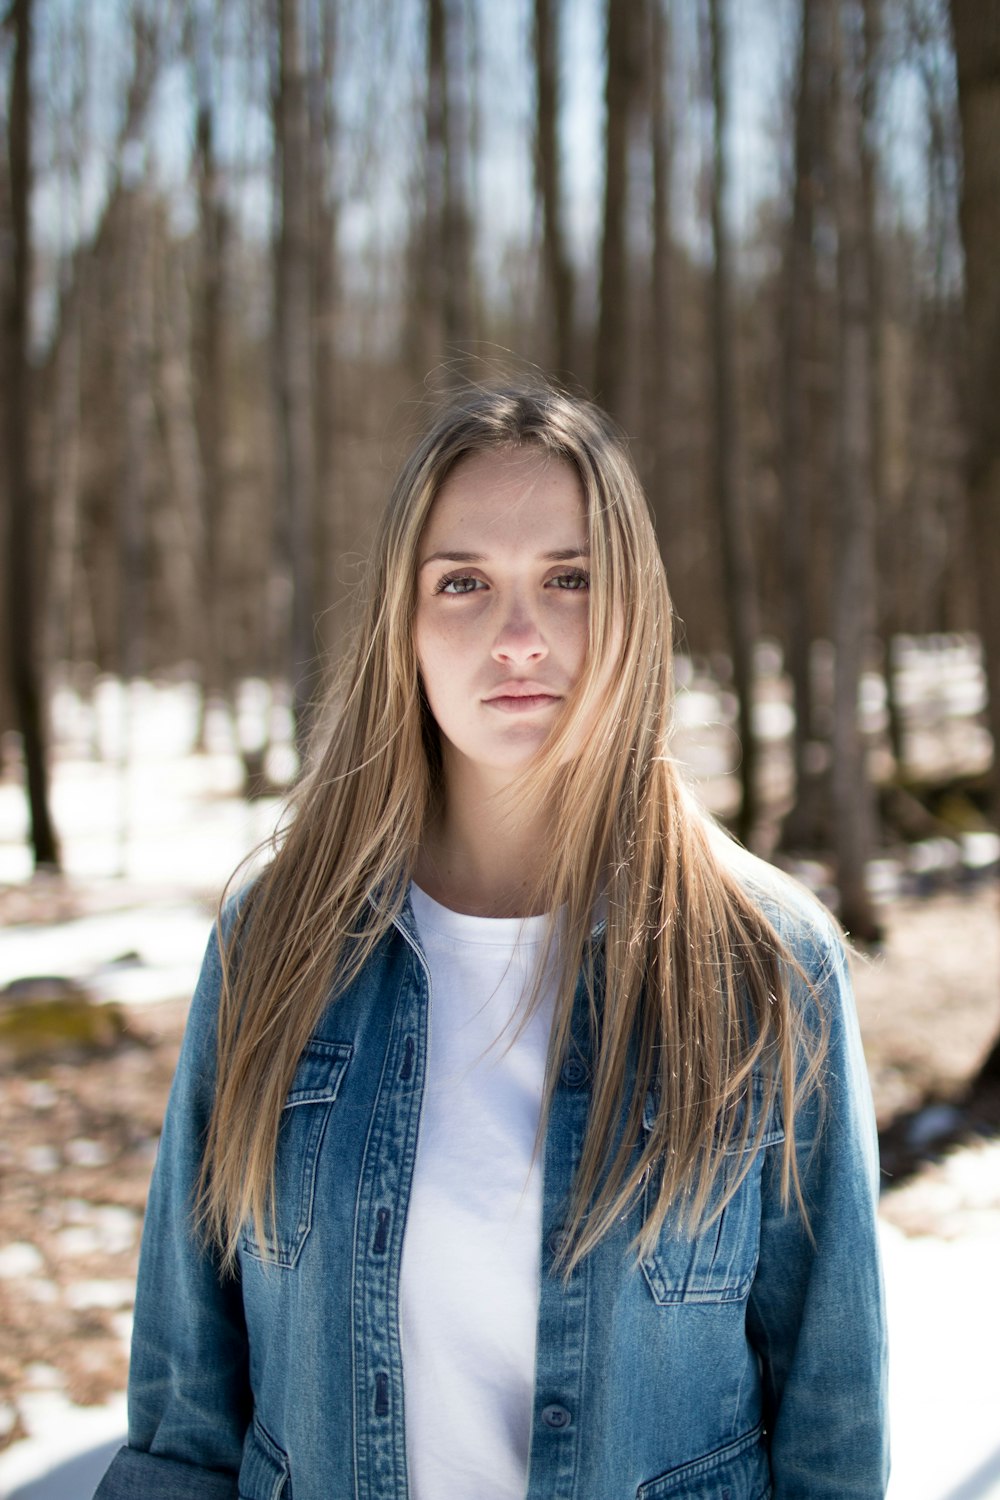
pixel 471 1247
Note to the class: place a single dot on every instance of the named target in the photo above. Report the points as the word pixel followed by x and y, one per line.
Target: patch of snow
pixel 80 1239
pixel 41 1095
pixel 19 1259
pixel 944 1330
pixel 83 1152
pixel 37 1289
pixel 62 1439
pixel 82 1294
pixel 41 1377
pixel 105 1228
pixel 169 940
pixel 41 1159
pixel 117 1228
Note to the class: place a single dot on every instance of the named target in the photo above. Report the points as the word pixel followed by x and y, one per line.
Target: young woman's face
pixel 502 607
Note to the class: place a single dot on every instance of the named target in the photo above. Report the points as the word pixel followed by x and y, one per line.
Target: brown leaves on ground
pixel 77 1144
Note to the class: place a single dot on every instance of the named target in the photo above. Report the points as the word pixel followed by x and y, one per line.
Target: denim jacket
pixel 745 1362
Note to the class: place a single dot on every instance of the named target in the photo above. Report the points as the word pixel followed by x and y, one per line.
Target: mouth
pixel 521 697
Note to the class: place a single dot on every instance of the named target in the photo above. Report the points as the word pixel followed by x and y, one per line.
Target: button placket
pixel 563 1310
pixel 385 1176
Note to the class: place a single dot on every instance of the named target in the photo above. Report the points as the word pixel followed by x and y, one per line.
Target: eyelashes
pixel 572 581
pixel 464 583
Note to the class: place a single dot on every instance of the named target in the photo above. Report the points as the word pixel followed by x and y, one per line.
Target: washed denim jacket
pixel 743 1363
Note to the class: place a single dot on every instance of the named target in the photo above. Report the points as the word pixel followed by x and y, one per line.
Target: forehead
pixel 506 494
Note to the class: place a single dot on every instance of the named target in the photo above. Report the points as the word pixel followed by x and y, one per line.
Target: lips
pixel 521 697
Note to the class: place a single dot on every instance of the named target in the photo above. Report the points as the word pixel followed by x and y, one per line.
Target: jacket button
pixel 574 1072
pixel 555 1417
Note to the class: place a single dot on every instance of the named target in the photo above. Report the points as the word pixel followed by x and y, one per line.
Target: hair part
pixel 692 985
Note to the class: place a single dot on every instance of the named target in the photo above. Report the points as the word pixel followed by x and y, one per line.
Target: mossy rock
pixel 47 1016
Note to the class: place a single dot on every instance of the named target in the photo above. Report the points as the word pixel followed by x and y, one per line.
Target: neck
pixel 484 854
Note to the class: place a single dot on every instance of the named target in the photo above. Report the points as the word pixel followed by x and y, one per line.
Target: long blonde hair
pixel 695 985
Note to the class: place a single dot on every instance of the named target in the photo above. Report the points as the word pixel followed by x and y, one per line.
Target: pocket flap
pixel 774 1130
pixel 319 1073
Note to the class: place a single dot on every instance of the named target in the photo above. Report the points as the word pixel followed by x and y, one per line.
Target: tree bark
pixel 734 530
pixel 295 363
pixel 612 329
pixel 557 270
pixel 853 607
pixel 976 27
pixel 802 824
pixel 331 529
pixel 660 357
pixel 22 623
pixel 66 446
pixel 210 386
pixel 456 229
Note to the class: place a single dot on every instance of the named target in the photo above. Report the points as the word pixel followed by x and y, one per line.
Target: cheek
pixel 436 659
pixel 574 639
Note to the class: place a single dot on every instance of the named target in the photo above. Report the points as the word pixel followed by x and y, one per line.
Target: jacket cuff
pixel 145 1476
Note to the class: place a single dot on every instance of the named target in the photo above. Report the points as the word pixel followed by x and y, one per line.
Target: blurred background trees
pixel 245 242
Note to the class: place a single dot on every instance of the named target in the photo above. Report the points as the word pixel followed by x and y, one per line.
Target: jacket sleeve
pixel 189 1395
pixel 816 1311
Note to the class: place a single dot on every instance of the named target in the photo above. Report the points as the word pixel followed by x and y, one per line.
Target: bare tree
pixel 209 338
pixel 293 311
pixel 659 361
pixel 440 272
pixel 801 824
pixel 22 614
pixel 730 502
pixel 67 435
pixel 853 609
pixel 325 211
pixel 622 81
pixel 976 26
pixel 556 266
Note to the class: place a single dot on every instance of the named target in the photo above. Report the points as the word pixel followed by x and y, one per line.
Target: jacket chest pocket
pixel 716 1263
pixel 304 1121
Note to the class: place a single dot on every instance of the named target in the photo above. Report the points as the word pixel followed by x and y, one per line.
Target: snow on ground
pixel 152 839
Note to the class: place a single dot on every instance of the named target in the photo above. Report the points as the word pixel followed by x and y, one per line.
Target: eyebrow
pixel 560 554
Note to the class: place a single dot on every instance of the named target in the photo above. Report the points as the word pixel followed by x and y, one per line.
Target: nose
pixel 519 641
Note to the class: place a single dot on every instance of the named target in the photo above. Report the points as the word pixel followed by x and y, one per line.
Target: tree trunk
pixel 852 799
pixel 612 329
pixel 66 444
pixel 295 366
pixel 181 526
pixel 209 386
pixel 558 272
pixel 659 384
pixel 456 229
pixel 976 25
pixel 734 530
pixel 332 541
pixel 802 825
pixel 25 675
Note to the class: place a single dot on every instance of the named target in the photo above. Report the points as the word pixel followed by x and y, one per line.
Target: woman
pixel 520 1142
